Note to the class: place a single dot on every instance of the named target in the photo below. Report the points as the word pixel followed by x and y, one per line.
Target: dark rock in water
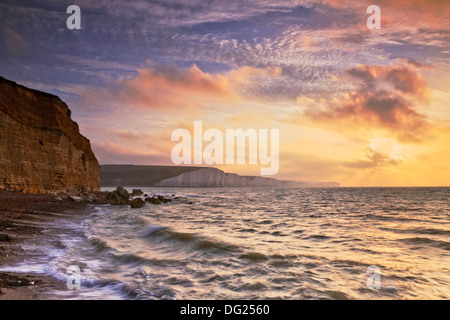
pixel 137 192
pixel 10 280
pixel 118 197
pixel 4 237
pixel 164 200
pixel 137 203
pixel 153 200
pixel 158 199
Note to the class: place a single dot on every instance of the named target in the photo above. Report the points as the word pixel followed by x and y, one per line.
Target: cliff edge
pixel 41 148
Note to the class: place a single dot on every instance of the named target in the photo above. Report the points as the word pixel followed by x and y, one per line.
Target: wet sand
pixel 24 218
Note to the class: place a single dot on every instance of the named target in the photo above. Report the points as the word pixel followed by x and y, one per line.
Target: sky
pixel 354 105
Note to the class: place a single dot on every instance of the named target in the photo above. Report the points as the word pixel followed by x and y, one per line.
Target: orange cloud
pixel 170 88
pixel 384 97
pixel 403 78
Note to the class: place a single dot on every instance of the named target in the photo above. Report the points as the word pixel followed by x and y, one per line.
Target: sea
pixel 250 243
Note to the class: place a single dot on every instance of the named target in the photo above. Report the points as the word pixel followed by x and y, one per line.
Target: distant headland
pixel 180 176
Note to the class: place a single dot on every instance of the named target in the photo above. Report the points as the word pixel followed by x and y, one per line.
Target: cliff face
pixel 212 177
pixel 41 149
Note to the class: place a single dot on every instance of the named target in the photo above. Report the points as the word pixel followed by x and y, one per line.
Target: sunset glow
pixel 357 106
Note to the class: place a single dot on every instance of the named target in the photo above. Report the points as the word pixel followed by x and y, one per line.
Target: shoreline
pixel 24 220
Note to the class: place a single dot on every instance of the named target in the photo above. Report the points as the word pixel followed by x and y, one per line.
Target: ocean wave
pixel 245 252
pixel 384 217
pixel 336 295
pixel 131 258
pixel 253 256
pixel 427 241
pixel 432 231
pixel 136 291
pixel 99 245
pixel 318 237
pixel 247 230
pixel 166 234
pixel 267 221
pixel 248 286
pixel 214 279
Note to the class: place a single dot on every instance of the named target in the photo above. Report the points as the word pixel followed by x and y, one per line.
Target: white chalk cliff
pixel 212 177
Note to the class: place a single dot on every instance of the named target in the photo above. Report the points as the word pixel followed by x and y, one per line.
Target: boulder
pixel 137 192
pixel 163 199
pixel 153 200
pixel 137 203
pixel 91 197
pixel 158 199
pixel 118 197
pixel 4 237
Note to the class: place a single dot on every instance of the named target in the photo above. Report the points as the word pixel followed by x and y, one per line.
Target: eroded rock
pixel 153 200
pixel 137 203
pixel 118 197
pixel 158 199
pixel 136 193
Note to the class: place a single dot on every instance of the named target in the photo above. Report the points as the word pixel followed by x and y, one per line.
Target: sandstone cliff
pixel 41 149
